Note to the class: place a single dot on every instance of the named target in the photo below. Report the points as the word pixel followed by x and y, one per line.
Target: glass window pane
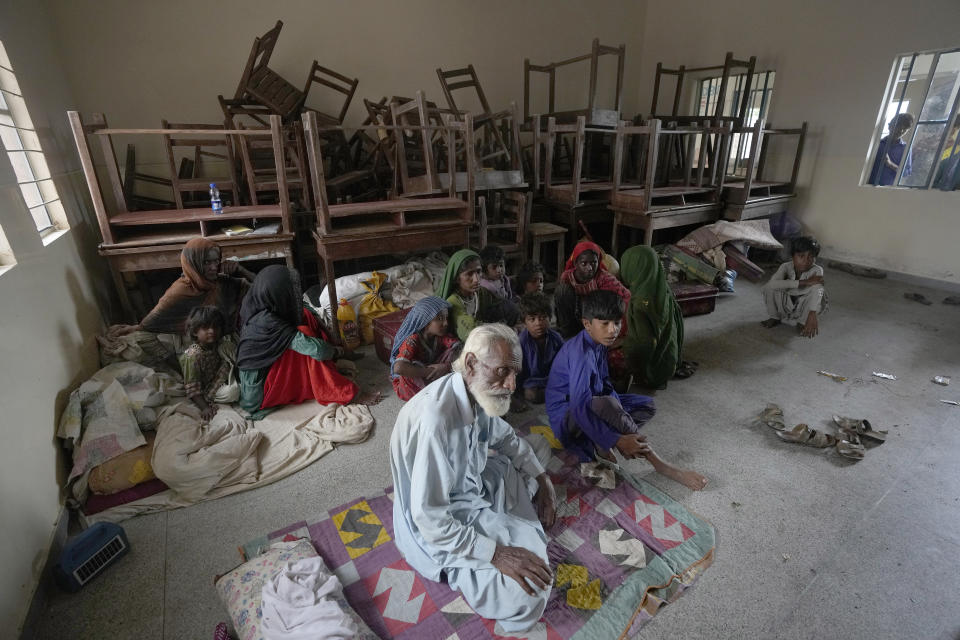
pixel 18 109
pixel 922 154
pixel 20 166
pixel 5 116
pixel 10 138
pixel 47 190
pixel 9 81
pixel 38 164
pixel 943 89
pixel 30 140
pixel 40 217
pixel 31 194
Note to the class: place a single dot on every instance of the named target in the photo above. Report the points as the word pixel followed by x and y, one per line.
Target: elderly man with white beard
pixel 469 494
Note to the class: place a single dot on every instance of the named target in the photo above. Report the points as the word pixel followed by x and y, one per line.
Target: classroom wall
pixel 50 304
pixel 139 61
pixel 833 60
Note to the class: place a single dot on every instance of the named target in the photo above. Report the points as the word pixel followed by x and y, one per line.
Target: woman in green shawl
pixel 654 341
pixel 471 304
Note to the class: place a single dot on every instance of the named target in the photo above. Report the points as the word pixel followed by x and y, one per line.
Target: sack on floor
pixel 373 305
pixel 125 471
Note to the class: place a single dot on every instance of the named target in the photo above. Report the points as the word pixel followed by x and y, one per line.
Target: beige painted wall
pixel 832 61
pixel 143 61
pixel 49 314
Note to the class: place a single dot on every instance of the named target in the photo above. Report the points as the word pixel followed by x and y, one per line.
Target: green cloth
pixel 449 283
pixel 461 321
pixel 252 380
pixel 654 340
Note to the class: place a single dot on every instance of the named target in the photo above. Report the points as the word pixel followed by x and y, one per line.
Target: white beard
pixel 493 404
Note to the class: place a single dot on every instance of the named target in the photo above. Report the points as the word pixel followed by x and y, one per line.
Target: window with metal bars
pixel 20 141
pixel 920 104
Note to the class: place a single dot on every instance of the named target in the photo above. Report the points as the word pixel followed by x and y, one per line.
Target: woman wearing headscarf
pixel 654 342
pixel 205 280
pixel 423 348
pixel 471 304
pixel 284 356
pixel 585 272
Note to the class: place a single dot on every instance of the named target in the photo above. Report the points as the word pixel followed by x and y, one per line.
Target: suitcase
pixel 693 266
pixel 742 265
pixel 384 329
pixel 695 298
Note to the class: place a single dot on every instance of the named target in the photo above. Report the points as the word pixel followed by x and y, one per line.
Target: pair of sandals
pixel 848 444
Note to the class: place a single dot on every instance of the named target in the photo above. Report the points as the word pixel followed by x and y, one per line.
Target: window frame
pixel 26 156
pixel 901 61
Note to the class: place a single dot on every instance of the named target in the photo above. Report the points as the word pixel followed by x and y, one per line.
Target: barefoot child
pixel 422 348
pixel 586 413
pixel 795 293
pixel 206 364
pixel 539 344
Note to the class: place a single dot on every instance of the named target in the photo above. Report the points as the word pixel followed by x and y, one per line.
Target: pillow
pixel 240 589
pixel 125 471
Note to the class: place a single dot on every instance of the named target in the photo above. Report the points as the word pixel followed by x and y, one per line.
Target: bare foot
pixel 812 327
pixel 769 323
pixel 368 398
pixel 690 479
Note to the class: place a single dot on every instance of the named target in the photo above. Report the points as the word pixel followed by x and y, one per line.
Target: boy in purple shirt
pixel 586 414
pixel 540 345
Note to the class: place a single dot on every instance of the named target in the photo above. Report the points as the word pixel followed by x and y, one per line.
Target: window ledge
pixel 49 238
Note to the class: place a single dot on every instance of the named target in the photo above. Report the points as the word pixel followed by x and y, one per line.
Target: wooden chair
pixel 729 66
pixel 595 115
pixel 492 140
pixel 136 200
pixel 651 197
pixel 256 156
pixel 506 225
pixel 192 183
pixel 544 233
pixel 755 194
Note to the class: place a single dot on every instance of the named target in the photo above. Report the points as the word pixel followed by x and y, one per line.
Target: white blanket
pixel 202 463
pixel 304 601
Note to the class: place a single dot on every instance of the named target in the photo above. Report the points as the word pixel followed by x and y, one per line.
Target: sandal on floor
pixel 772 416
pixel 802 434
pixel 685 369
pixel 860 428
pixel 850 447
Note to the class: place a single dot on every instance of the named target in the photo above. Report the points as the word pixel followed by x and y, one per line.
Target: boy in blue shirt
pixel 540 345
pixel 586 414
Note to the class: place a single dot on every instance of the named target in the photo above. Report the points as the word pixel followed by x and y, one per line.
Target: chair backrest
pixel 259 57
pixel 409 116
pixel 336 81
pixel 216 148
pixel 450 82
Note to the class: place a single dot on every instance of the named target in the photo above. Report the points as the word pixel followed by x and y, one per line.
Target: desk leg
pixel 561 257
pixel 289 260
pixel 334 302
pixel 121 286
pixel 615 238
pixel 648 235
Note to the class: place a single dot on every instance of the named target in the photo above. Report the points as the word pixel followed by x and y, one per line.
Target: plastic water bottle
pixel 215 202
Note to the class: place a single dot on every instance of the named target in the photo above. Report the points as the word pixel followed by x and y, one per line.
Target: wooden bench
pixel 754 196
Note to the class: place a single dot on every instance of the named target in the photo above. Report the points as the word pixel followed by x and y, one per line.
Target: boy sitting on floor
pixel 539 344
pixel 494 276
pixel 586 413
pixel 208 362
pixel 795 293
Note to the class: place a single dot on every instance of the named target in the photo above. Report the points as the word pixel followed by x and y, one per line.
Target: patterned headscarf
pixel 419 317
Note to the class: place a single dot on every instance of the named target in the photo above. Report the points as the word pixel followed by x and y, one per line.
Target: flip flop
pixel 860 428
pixel 951 300
pixel 685 369
pixel 802 434
pixel 851 447
pixel 772 416
pixel 917 297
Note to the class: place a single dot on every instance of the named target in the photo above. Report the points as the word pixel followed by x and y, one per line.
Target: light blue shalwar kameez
pixel 453 503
